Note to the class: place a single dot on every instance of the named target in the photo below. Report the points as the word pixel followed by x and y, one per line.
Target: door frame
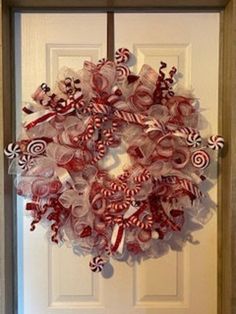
pixel 227 127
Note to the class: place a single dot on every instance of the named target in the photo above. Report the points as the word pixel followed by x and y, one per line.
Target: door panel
pixel 55 280
pixel 186 281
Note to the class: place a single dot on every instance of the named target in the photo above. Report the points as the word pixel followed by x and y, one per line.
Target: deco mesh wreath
pixel 68 132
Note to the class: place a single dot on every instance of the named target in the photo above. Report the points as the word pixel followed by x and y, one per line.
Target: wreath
pixel 67 133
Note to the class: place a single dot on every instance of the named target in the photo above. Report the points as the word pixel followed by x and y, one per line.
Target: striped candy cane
pixel 144 176
pixel 118 186
pixel 97 122
pixel 125 223
pixel 185 131
pixel 134 191
pixel 98 107
pixel 190 187
pixel 118 207
pixel 130 117
pixel 134 220
pixel 124 176
pixel 80 106
pixel 108 135
pixel 107 192
pixel 88 134
pixel 101 152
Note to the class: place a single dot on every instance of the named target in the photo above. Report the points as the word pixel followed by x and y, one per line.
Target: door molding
pixel 227 126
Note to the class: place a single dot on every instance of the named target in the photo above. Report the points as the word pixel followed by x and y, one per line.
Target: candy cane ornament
pixel 140 224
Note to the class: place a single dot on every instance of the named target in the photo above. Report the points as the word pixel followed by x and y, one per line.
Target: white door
pixel 53 280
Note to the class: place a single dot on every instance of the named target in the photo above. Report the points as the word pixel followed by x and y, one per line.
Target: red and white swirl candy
pixel 194 140
pixel 122 55
pixel 215 142
pixel 101 62
pixel 25 162
pixel 200 159
pixel 12 151
pixel 96 264
pixel 36 147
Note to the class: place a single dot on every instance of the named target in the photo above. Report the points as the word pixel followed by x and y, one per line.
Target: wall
pixel 2 278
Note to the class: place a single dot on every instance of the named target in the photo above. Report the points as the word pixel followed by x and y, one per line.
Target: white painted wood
pixel 185 282
pixel 54 280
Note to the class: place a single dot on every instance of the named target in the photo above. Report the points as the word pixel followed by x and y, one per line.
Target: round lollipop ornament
pixel 36 147
pixel 122 72
pixel 215 142
pixel 200 159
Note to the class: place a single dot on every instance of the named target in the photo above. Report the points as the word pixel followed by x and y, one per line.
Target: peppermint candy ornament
pixel 12 151
pixel 96 264
pixel 215 142
pixel 193 140
pixel 45 87
pixel 25 162
pixel 101 62
pixel 122 72
pixel 36 147
pixel 122 55
pixel 200 159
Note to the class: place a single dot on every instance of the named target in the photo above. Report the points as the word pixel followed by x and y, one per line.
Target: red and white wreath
pixel 67 132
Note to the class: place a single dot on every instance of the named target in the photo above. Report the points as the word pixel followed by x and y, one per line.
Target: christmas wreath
pixel 69 131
